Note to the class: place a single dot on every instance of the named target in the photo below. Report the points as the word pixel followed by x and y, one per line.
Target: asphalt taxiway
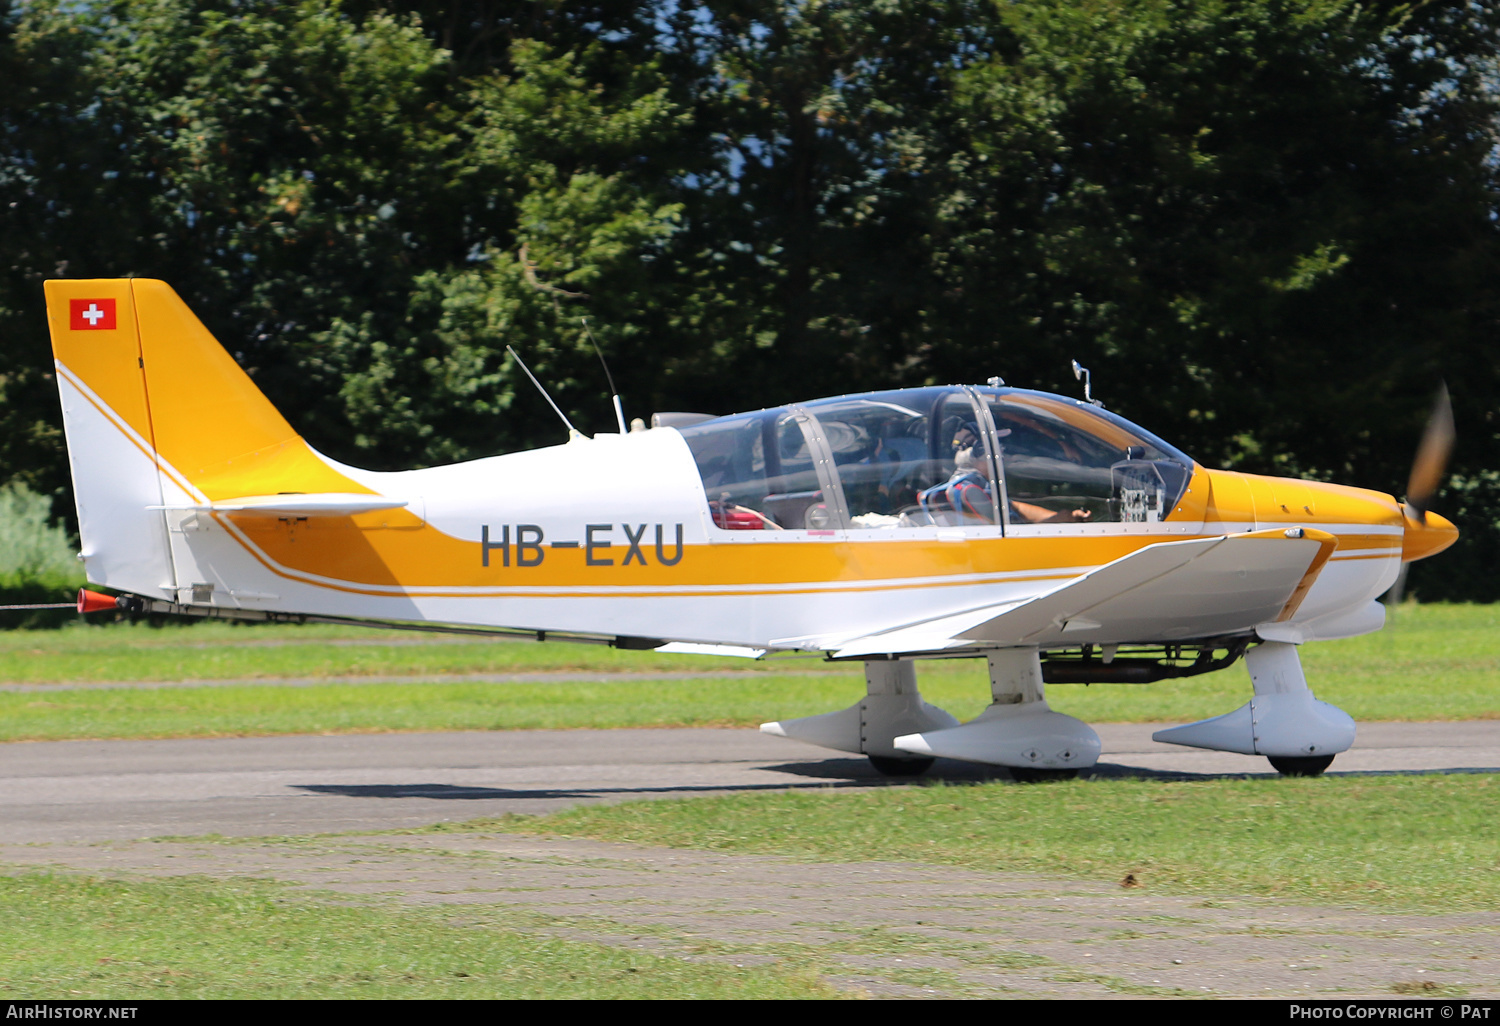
pixel 115 790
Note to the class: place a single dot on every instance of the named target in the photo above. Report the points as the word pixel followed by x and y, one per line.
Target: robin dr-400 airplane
pixel 1044 534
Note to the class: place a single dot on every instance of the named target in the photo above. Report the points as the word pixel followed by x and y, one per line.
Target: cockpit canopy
pixel 933 456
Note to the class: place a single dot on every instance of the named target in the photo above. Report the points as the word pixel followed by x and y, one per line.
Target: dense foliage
pixel 1268 226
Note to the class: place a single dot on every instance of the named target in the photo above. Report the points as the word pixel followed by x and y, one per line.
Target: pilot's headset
pixel 968 453
pixel 965 437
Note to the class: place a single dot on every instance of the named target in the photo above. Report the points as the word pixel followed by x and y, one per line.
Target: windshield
pixel 923 457
pixel 1071 462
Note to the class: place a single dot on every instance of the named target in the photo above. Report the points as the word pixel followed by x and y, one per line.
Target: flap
pixel 691 648
pixel 927 636
pixel 1165 592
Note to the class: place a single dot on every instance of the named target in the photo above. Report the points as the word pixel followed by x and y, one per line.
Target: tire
pixel 1300 765
pixel 894 767
pixel 1027 775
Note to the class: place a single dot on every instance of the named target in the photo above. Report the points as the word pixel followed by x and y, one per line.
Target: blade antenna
pixel 614 392
pixel 573 432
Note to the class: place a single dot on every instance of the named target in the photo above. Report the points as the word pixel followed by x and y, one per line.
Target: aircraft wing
pixel 1166 592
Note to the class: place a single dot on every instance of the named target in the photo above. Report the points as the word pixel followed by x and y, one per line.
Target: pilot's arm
pixel 1041 515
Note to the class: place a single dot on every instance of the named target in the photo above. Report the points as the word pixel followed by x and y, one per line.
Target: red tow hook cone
pixel 93 602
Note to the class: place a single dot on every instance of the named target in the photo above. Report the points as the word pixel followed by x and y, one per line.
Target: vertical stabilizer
pixel 158 414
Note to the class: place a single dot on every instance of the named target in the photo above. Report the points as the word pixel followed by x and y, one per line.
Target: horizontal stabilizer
pixel 297 504
pixel 1197 588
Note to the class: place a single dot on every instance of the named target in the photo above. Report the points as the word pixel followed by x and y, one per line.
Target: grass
pixel 1432 663
pixel 37 559
pixel 1424 843
pixel 223 651
pixel 80 938
pixel 248 710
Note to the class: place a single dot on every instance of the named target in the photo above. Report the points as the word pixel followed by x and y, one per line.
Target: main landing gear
pixel 902 734
pixel 892 707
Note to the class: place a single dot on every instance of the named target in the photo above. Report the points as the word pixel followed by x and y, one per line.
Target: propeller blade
pixel 1432 457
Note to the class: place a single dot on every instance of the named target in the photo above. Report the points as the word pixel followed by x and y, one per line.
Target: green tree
pixel 802 257
pixel 583 224
pixel 342 210
pixel 1266 226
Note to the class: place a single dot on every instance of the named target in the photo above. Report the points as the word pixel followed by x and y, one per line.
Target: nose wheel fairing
pixel 1282 721
pixel 1293 726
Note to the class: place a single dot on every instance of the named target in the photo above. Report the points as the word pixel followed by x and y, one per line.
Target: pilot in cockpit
pixel 969 493
pixel 964 438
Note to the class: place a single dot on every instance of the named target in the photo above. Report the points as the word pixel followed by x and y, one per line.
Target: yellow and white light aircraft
pixel 1056 540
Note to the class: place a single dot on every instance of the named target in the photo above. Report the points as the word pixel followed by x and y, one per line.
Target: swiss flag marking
pixel 91 314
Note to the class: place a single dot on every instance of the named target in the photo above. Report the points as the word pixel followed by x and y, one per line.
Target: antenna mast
pixel 573 432
pixel 614 392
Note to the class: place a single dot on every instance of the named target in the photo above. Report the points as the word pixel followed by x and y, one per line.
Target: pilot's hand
pixel 1079 515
